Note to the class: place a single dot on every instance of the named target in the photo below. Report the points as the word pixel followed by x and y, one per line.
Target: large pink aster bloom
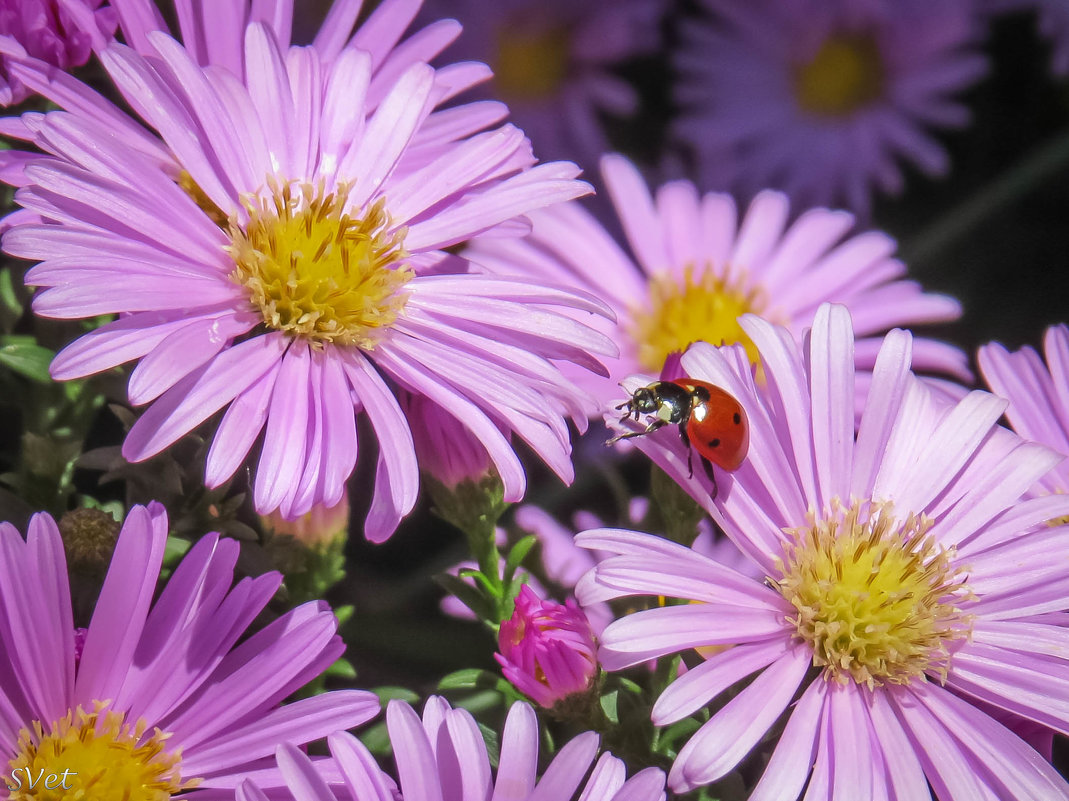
pixel 553 63
pixel 696 264
pixel 1038 396
pixel 444 756
pixel 278 253
pixel 46 30
pixel 902 563
pixel 824 99
pixel 170 695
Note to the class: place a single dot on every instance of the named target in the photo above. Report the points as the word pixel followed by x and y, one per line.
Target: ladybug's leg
pixel 658 423
pixel 690 451
pixel 712 477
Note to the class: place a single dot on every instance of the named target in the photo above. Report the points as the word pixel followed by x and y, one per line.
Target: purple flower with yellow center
pixel 696 265
pixel 824 99
pixel 905 575
pixel 154 699
pixel 443 755
pixel 1038 394
pixel 553 63
pixel 278 255
pixel 47 30
pixel 547 649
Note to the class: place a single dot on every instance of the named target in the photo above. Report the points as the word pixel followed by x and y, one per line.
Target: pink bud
pixel 548 649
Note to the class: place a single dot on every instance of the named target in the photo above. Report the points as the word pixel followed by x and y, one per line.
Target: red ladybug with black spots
pixel 710 421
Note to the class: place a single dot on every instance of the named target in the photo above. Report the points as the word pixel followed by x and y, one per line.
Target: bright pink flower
pixel 278 254
pixel 46 30
pixel 824 99
pixel 174 691
pixel 547 649
pixel 1038 396
pixel 901 561
pixel 697 262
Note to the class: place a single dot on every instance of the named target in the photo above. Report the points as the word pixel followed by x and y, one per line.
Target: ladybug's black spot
pixel 737 418
pixel 714 443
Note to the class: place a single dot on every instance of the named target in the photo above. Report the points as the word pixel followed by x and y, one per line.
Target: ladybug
pixel 709 419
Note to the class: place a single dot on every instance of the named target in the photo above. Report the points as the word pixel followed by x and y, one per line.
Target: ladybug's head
pixel 645 400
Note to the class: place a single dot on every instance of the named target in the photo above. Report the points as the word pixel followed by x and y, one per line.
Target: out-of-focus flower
pixel 1038 396
pixel 1053 20
pixel 317 528
pixel 45 30
pixel 696 267
pixel 824 98
pixel 903 563
pixel 445 448
pixel 161 695
pixel 444 756
pixel 553 63
pixel 547 649
pixel 283 260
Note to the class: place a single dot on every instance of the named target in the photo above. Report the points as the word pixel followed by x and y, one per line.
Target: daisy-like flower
pixel 278 253
pixel 695 268
pixel 553 63
pixel 46 30
pixel 824 100
pixel 155 699
pixel 905 576
pixel 1038 396
pixel 444 756
pixel 1053 19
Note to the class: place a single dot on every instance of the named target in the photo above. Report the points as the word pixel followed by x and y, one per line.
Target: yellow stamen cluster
pixel 531 63
pixel 94 757
pixel 313 271
pixel 878 601
pixel 704 307
pixel 846 74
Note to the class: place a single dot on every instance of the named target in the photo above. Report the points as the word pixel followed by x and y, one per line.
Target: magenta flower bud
pixel 547 649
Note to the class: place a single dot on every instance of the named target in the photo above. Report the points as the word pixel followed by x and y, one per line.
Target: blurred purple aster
pixel 1038 394
pixel 278 253
pixel 902 563
pixel 160 696
pixel 444 756
pixel 46 30
pixel 1053 21
pixel 824 100
pixel 553 63
pixel 694 267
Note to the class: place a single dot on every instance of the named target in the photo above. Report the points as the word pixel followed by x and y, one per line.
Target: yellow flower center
pixel 531 62
pixel 878 602
pixel 703 308
pixel 846 74
pixel 314 271
pixel 94 757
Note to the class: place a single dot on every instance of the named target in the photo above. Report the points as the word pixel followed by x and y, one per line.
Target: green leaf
pixel 341 669
pixel 10 306
pixel 608 706
pixel 387 694
pixel 517 555
pixel 175 549
pixel 26 358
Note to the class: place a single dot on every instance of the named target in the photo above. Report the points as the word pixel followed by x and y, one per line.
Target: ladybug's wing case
pixel 717 428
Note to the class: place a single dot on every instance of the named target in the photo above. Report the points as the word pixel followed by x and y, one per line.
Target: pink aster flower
pixel 901 563
pixel 547 649
pixel 444 756
pixel 46 30
pixel 553 63
pixel 696 265
pixel 1038 396
pixel 825 100
pixel 277 254
pixel 170 695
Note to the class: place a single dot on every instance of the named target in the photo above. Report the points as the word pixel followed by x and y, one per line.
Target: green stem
pixel 1039 167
